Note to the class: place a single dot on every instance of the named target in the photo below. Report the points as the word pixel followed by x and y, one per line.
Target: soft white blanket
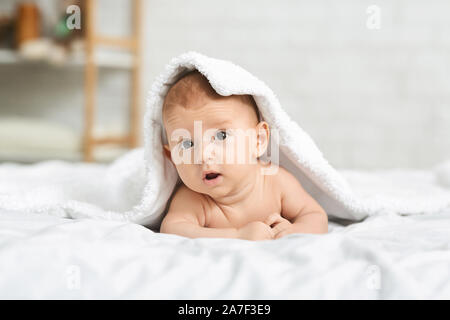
pixel 137 186
pixel 384 257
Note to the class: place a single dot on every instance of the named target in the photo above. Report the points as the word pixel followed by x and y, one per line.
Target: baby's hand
pixel 256 230
pixel 279 225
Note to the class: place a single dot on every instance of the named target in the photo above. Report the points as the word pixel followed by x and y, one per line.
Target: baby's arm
pixel 186 217
pixel 297 206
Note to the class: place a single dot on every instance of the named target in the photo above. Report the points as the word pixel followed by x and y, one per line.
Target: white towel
pixel 138 185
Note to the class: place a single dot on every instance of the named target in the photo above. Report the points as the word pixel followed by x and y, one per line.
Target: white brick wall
pixel 369 98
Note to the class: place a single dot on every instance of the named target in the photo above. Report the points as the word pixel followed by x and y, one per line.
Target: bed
pixel 386 256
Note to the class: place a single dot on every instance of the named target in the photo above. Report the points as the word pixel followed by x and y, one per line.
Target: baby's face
pixel 214 143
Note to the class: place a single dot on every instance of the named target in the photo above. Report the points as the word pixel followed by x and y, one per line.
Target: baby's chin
pixel 214 191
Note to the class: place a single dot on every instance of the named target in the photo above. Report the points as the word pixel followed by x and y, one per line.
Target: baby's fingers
pixel 281 234
pixel 270 233
pixel 280 227
pixel 274 218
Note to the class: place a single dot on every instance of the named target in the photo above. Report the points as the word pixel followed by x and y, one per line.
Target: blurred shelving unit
pixel 100 52
pixel 102 59
pixel 133 45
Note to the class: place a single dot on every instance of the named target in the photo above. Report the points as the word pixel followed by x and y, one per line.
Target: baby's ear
pixel 166 150
pixel 262 138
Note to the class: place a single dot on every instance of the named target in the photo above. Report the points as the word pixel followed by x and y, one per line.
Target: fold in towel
pixel 137 186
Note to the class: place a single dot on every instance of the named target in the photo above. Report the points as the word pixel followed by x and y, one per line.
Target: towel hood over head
pixel 298 152
pixel 137 186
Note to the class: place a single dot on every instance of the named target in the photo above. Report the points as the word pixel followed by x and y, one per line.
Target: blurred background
pixel 368 80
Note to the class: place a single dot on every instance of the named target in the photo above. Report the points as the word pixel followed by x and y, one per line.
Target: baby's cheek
pixel 239 150
pixel 188 176
pixel 182 157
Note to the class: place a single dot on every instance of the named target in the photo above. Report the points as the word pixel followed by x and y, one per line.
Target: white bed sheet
pixel 384 257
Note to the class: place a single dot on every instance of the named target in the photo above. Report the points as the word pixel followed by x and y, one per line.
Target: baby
pixel 228 198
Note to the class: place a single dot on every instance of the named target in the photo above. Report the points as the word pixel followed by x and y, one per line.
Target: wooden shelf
pixel 101 51
pixel 28 140
pixel 101 154
pixel 102 58
pixel 8 57
pixel 131 44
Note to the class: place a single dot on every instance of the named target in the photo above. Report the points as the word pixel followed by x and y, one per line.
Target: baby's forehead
pixel 209 111
pixel 188 89
pixel 194 93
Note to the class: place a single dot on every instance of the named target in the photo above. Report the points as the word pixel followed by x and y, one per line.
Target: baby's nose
pixel 209 153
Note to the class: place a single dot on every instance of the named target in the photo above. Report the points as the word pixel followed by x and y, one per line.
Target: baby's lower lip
pixel 213 182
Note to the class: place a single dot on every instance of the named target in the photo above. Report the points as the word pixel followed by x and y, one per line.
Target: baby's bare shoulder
pixel 188 205
pixel 186 194
pixel 284 178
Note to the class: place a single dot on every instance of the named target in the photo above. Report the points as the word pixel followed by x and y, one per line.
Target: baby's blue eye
pixel 186 144
pixel 221 135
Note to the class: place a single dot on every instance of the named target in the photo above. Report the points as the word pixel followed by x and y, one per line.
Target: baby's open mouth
pixel 212 178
